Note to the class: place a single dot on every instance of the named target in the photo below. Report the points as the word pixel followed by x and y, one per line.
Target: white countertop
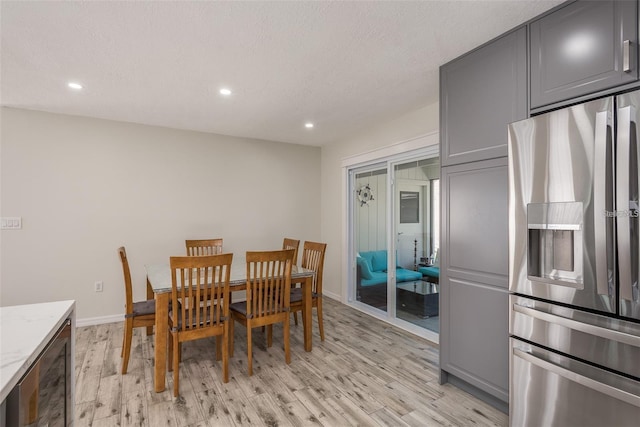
pixel 24 332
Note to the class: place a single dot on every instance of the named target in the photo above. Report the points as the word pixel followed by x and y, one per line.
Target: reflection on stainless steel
pixel 627 207
pixel 623 194
pixel 561 391
pixel 552 161
pixel 605 341
pixel 43 395
pixel 574 266
pixel 603 202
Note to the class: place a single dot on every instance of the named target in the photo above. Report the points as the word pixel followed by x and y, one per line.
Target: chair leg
pixel 126 345
pixel 170 355
pixel 150 295
pixel 269 335
pixel 219 339
pixel 249 350
pixel 176 365
pixel 320 322
pixel 295 317
pixel 124 337
pixel 225 353
pixel 287 351
pixel 231 327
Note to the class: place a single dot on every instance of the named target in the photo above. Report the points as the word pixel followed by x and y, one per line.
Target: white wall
pixel 334 204
pixel 84 187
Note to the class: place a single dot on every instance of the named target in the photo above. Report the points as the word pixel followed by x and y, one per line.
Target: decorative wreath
pixel 365 195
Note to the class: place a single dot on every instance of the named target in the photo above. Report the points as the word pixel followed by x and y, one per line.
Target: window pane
pixel 417 299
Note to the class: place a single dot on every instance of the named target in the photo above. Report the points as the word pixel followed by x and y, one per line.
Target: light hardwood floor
pixel 366 373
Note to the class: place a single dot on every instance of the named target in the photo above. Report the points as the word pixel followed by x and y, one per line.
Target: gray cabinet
pixel 475 221
pixel 474 307
pixel 480 93
pixel 582 48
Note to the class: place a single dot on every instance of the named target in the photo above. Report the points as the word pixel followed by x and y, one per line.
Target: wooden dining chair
pixel 268 291
pixel 204 247
pixel 137 314
pixel 292 244
pixel 199 278
pixel 313 259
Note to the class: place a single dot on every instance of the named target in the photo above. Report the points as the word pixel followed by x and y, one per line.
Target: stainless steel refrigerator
pixel 574 266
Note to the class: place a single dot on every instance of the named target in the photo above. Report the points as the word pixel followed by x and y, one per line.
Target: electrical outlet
pixel 98 286
pixel 12 223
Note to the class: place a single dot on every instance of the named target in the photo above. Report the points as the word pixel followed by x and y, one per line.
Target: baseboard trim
pixel 92 321
pixel 331 295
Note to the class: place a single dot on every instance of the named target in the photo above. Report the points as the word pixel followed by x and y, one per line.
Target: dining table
pixel 159 287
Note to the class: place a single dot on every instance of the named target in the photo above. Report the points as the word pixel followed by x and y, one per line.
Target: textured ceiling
pixel 343 65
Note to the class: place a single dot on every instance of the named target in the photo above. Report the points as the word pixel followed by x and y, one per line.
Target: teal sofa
pixel 431 273
pixel 372 270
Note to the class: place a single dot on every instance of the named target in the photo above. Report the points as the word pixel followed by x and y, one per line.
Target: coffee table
pixel 419 297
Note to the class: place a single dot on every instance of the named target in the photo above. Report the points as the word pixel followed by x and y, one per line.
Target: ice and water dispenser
pixel 554 250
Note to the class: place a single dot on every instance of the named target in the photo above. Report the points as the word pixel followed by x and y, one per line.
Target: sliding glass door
pixel 416 224
pixel 370 235
pixel 393 229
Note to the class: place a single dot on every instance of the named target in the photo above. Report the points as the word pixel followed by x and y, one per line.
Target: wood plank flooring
pixel 366 373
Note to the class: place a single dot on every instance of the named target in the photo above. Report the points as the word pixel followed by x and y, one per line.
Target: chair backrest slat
pixel 203 247
pixel 292 244
pixel 128 291
pixel 313 259
pixel 200 288
pixel 268 282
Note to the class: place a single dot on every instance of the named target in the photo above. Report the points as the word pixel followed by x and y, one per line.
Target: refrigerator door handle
pixel 576 325
pixel 598 386
pixel 623 208
pixel 602 200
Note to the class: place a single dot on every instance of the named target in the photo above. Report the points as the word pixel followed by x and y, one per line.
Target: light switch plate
pixel 11 223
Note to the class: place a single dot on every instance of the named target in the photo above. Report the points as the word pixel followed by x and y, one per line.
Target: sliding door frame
pixel 422 147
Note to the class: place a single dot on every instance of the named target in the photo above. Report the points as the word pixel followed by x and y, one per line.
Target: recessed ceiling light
pixel 308 125
pixel 74 85
pixel 224 91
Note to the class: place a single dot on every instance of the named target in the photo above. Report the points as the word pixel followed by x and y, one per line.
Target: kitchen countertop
pixel 25 330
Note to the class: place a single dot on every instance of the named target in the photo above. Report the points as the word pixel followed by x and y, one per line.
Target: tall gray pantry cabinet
pixel 480 93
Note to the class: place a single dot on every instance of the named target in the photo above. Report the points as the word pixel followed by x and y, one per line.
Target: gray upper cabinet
pixel 480 93
pixel 582 48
